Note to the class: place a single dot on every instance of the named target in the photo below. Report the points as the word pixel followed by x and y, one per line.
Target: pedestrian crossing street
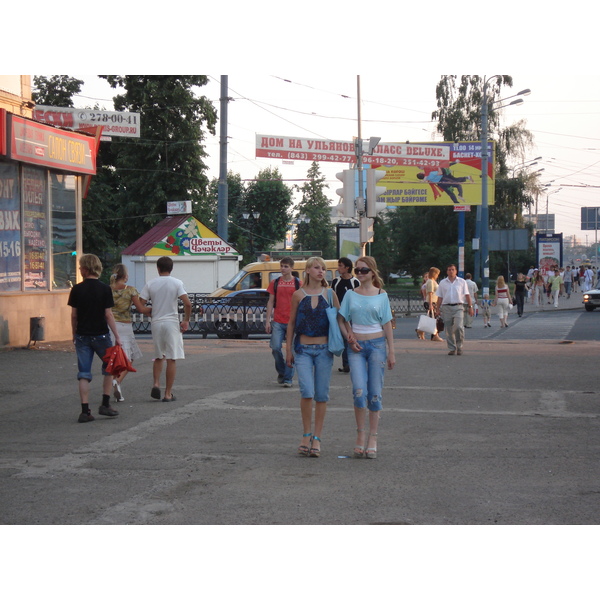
pixel 530 327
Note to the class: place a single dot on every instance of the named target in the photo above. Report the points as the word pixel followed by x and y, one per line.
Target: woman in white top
pixel 365 319
pixel 502 301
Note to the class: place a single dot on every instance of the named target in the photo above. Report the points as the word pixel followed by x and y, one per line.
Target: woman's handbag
pixel 427 324
pixel 335 341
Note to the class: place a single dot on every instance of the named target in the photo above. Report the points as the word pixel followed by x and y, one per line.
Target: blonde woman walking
pixel 124 296
pixel 502 301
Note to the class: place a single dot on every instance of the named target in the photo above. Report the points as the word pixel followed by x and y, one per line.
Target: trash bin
pixel 36 329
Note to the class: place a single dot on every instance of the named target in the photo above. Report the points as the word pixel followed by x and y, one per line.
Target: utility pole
pixel 223 204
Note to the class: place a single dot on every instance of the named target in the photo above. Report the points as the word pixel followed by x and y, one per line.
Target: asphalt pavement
pixel 508 433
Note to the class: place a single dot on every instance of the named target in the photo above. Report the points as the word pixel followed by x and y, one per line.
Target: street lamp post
pixel 548 196
pixel 251 222
pixel 300 220
pixel 485 222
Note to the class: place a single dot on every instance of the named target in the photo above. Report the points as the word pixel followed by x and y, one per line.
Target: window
pixel 35 228
pixel 64 230
pixel 10 229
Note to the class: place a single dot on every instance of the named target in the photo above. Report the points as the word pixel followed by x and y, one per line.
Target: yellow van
pixel 260 274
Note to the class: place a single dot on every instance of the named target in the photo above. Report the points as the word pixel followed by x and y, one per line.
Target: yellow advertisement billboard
pixel 457 182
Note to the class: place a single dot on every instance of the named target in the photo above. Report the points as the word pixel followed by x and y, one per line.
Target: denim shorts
pixel 367 369
pixel 85 347
pixel 313 366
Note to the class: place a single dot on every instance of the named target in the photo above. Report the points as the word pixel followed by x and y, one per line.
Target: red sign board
pixel 46 146
pixel 2 131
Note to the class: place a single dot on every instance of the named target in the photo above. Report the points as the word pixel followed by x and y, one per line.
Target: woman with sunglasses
pixel 366 322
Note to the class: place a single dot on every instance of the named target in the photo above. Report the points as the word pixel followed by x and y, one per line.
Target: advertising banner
pixel 39 144
pixel 191 238
pixel 35 228
pixel 10 229
pixel 421 174
pixel 549 251
pixel 348 241
pixel 122 124
pixel 426 154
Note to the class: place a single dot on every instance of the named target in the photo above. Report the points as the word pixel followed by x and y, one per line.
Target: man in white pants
pixel 453 294
pixel 164 293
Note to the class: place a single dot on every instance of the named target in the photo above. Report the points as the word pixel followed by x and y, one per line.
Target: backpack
pixel 336 281
pixel 276 283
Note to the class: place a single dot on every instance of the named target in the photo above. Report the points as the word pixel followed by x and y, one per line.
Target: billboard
pixel 123 124
pixel 421 174
pixel 590 217
pixel 38 144
pixel 549 251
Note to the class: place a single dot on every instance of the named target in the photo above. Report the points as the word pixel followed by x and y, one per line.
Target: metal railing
pixel 237 317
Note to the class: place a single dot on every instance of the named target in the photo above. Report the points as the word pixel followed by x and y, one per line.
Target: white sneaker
pixel 117 391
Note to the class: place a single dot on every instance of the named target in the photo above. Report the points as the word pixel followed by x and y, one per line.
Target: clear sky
pixel 563 113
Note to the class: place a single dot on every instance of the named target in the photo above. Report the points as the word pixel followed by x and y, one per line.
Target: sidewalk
pixel 573 303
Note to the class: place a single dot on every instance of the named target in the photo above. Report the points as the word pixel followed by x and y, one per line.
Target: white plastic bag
pixel 427 324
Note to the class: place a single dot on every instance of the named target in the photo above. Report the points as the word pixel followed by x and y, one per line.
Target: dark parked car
pixel 236 315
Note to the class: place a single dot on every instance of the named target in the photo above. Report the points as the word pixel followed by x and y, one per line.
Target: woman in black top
pixel 520 293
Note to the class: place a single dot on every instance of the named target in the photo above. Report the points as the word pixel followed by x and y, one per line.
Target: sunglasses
pixel 363 270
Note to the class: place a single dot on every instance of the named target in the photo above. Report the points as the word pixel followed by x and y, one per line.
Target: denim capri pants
pixel 367 369
pixel 313 365
pixel 85 347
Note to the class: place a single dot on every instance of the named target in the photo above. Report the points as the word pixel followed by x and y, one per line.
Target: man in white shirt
pixel 164 292
pixel 473 289
pixel 453 294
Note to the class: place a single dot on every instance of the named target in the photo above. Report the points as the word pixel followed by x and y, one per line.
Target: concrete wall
pixel 17 309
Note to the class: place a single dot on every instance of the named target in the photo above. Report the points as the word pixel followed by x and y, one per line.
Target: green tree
pixel 235 205
pixel 272 198
pixel 100 226
pixel 166 162
pixel 458 115
pixel 56 90
pixel 319 233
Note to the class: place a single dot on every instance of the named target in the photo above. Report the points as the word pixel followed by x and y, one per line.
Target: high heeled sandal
pixel 361 449
pixel 315 452
pixel 371 452
pixel 304 450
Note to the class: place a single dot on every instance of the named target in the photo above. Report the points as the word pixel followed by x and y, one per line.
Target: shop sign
pixel 38 144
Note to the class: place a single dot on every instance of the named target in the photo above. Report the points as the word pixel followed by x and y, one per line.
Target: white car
pixel 591 299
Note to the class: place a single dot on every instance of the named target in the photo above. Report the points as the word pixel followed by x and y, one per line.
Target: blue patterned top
pixel 310 321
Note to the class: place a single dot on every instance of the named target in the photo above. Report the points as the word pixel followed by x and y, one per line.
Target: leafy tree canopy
pixel 165 164
pixel 319 233
pixel 56 90
pixel 272 198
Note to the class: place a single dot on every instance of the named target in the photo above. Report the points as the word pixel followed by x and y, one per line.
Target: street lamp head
pixel 245 216
pixel 256 214
pixel 524 92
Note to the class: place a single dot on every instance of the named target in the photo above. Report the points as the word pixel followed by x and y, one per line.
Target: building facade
pixel 44 173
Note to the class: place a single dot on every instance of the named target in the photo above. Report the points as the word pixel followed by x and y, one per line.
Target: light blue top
pixel 434 177
pixel 366 310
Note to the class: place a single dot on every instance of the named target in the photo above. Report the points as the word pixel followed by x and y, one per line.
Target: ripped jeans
pixel 367 369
